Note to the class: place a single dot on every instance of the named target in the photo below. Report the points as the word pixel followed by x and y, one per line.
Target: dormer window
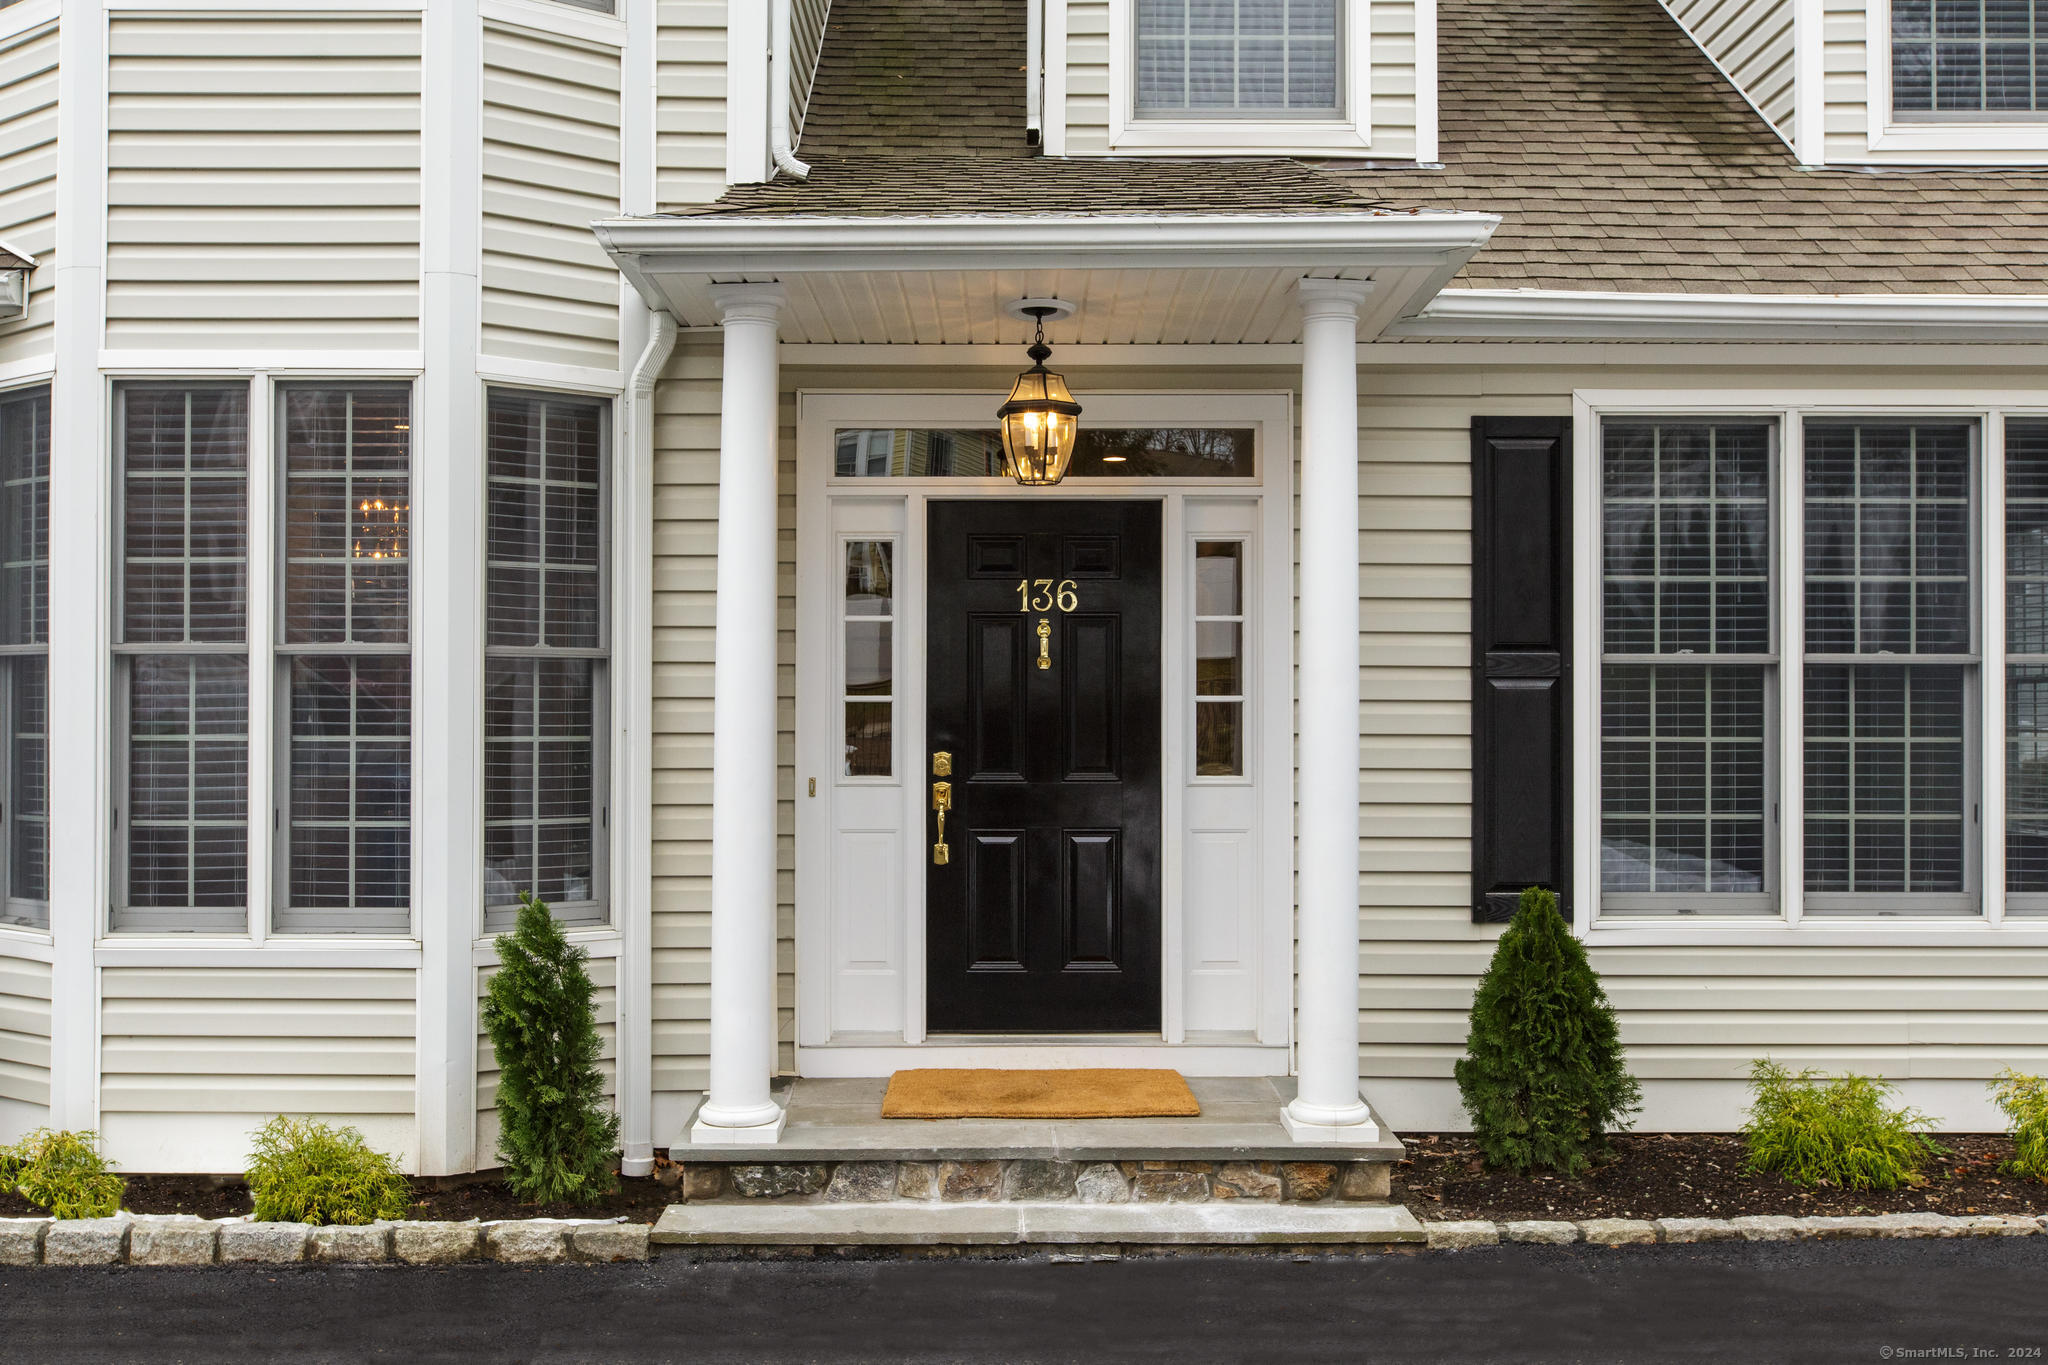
pixel 1983 60
pixel 1233 78
pixel 1208 59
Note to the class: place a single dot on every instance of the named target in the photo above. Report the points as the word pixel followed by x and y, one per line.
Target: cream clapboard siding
pixel 1392 87
pixel 24 1044
pixel 1752 42
pixel 193 1058
pixel 604 975
pixel 1845 58
pixel 1687 1014
pixel 550 168
pixel 806 40
pixel 689 108
pixel 28 182
pixel 264 181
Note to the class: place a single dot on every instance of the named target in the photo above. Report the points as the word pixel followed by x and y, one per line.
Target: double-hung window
pixel 1884 679
pixel 335 680
pixel 25 655
pixel 1969 59
pixel 1268 59
pixel 182 658
pixel 546 692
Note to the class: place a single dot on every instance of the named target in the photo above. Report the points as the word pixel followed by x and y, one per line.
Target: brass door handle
pixel 942 801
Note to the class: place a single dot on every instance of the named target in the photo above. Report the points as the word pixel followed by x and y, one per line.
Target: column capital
pixel 749 302
pixel 1332 298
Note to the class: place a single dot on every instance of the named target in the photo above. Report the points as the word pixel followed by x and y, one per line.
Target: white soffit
pixel 1564 314
pixel 1215 279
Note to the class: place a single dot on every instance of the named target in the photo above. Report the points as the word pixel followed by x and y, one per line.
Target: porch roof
pixel 1137 278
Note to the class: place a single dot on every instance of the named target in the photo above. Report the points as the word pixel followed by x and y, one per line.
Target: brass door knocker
pixel 1044 643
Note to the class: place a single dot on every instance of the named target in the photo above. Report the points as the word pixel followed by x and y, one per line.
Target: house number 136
pixel 1046 595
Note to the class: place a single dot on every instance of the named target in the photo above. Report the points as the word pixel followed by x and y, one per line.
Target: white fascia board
pixel 1546 314
pixel 742 246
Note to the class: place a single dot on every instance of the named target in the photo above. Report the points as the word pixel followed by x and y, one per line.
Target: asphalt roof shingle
pixel 1618 157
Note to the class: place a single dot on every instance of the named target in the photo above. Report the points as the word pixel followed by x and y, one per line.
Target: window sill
pixel 1692 931
pixel 1241 137
pixel 1983 143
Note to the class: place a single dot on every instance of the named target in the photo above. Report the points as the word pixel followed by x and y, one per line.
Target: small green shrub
pixel 2025 1101
pixel 301 1171
pixel 1544 1076
pixel 556 1132
pixel 64 1173
pixel 1814 1130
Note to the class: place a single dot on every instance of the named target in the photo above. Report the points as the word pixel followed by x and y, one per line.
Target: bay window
pixel 546 688
pixel 1884 675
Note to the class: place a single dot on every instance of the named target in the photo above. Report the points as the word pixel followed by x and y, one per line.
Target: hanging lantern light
pixel 1041 419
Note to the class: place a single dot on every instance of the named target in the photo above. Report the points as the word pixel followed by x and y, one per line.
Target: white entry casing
pixel 863 842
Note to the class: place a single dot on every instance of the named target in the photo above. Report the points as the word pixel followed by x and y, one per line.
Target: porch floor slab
pixel 841 1120
pixel 1233 1224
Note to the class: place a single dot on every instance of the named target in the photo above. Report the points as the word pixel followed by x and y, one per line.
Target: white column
pixel 1326 1107
pixel 738 1107
pixel 448 558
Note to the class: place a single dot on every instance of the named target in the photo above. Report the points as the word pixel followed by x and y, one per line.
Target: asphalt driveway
pixel 1868 1301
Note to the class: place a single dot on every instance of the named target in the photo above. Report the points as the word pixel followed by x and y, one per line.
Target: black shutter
pixel 1521 636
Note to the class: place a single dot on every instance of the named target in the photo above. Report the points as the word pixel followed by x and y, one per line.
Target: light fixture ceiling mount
pixel 1041 418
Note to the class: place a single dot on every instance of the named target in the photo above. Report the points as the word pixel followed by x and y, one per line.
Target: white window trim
pixel 1349 133
pixel 1959 142
pixel 1790 409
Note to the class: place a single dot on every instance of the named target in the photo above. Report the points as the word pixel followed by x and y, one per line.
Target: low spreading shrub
pixel 2025 1102
pixel 301 1171
pixel 1840 1131
pixel 64 1173
pixel 557 1134
pixel 1543 1076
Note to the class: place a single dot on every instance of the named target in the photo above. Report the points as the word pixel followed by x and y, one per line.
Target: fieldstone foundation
pixel 1037 1181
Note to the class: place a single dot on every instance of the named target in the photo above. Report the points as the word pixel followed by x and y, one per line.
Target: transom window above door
pixel 1099 453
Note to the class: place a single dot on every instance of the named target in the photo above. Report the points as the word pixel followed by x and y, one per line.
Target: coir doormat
pixel 1084 1094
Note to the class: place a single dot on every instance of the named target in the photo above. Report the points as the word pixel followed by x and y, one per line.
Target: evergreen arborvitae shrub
pixel 1543 1075
pixel 303 1171
pixel 557 1133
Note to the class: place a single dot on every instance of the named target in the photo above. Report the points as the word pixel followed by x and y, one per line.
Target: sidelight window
pixel 1219 658
pixel 868 629
pixel 25 654
pixel 546 765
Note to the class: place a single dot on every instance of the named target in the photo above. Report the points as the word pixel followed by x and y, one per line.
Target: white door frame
pixel 830 510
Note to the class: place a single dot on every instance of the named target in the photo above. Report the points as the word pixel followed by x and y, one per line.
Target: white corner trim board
pixel 1570 313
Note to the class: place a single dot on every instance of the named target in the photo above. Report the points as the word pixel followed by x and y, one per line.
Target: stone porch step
pixel 1022 1224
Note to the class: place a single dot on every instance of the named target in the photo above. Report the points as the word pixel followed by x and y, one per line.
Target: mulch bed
pixel 448 1200
pixel 1697 1175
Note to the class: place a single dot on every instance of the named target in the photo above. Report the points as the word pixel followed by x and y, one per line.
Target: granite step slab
pixel 994 1224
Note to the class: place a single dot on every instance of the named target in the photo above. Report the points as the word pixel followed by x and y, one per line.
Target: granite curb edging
pixel 188 1240
pixel 1464 1234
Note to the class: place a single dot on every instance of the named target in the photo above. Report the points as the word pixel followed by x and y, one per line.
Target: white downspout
pixel 778 95
pixel 1034 75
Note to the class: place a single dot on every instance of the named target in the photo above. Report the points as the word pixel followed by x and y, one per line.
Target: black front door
pixel 1043 659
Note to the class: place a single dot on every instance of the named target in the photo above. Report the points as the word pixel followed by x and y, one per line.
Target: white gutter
pixel 1565 314
pixel 740 245
pixel 778 95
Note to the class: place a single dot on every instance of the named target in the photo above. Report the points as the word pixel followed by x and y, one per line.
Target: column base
pixel 767 1134
pixel 1361 1131
pixel 636 1160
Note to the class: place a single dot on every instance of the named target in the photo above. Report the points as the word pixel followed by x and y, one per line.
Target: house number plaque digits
pixel 1042 594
